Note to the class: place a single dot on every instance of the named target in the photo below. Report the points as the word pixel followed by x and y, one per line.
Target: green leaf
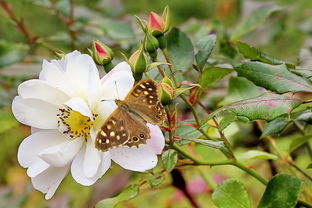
pixel 255 55
pixel 11 53
pixel 180 49
pixel 212 75
pixel 169 159
pixel 231 194
pixel 186 130
pixel 209 143
pixel 156 180
pixel 256 154
pixel 309 166
pixel 298 142
pixel 240 88
pixel 273 77
pixel 264 107
pixel 275 126
pixel 127 194
pixel 7 121
pixel 205 46
pixel 282 191
pixel 254 20
pixel 227 120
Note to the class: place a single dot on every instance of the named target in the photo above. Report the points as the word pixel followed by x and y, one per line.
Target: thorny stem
pixel 171 133
pixel 69 21
pixel 20 24
pixel 172 70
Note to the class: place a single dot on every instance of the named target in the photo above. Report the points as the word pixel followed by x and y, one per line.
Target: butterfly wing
pixel 113 132
pixel 122 129
pixel 144 101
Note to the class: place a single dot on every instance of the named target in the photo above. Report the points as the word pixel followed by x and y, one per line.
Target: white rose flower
pixel 65 111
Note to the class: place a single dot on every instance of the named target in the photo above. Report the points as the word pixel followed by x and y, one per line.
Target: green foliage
pixel 282 191
pixel 264 107
pixel 212 75
pixel 128 193
pixel 169 159
pixel 256 154
pixel 273 77
pixel 240 88
pixel 205 46
pixel 231 194
pixel 11 53
pixel 180 49
pixel 254 20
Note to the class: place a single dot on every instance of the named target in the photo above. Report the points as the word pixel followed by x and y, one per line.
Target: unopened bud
pixel 138 62
pixel 166 93
pixel 150 43
pixel 158 25
pixel 101 53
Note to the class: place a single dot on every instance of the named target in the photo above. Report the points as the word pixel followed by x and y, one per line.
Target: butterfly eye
pixel 142 135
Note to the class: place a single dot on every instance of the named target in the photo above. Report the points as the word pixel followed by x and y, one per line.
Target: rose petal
pixel 36 113
pixel 28 150
pixel 61 154
pixel 137 159
pixel 79 105
pixel 43 91
pixel 118 82
pixel 92 160
pixel 78 172
pixel 82 70
pixel 55 75
pixel 157 141
pixel 37 168
pixel 48 181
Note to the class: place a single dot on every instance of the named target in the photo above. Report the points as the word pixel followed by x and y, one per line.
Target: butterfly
pixel 126 126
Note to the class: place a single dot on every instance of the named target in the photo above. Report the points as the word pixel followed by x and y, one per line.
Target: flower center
pixel 74 124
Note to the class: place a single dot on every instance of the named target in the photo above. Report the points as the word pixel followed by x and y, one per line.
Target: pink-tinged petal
pixel 55 76
pixel 62 154
pixel 48 181
pixel 79 105
pixel 37 168
pixel 118 82
pixel 156 22
pixel 43 91
pixel 157 141
pixel 92 160
pixel 78 172
pixel 36 113
pixel 136 159
pixel 28 150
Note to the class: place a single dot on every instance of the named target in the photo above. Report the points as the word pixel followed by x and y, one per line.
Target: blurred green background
pixel 282 35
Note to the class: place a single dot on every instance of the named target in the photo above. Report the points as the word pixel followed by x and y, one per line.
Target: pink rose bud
pixel 101 53
pixel 158 25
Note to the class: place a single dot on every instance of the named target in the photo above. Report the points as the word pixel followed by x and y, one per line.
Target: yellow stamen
pixel 76 124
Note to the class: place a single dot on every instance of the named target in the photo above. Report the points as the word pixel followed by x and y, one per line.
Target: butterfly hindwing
pixel 144 100
pixel 113 132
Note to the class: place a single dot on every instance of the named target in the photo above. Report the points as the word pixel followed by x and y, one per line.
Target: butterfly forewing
pixel 113 132
pixel 144 100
